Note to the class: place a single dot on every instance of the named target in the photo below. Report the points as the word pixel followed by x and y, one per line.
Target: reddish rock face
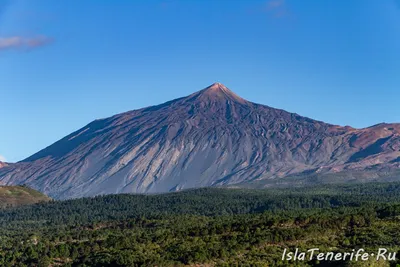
pixel 3 164
pixel 212 137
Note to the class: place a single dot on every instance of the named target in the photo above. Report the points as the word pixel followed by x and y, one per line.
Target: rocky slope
pixel 3 164
pixel 212 137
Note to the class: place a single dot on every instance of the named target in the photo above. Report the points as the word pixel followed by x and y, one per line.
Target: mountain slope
pixel 3 164
pixel 19 195
pixel 211 137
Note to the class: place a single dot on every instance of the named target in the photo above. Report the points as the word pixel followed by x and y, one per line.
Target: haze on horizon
pixel 64 65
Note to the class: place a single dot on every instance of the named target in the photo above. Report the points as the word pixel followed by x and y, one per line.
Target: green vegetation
pixel 214 227
pixel 19 195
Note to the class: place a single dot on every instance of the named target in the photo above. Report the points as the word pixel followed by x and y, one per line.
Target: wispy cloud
pixel 2 158
pixel 24 43
pixel 273 4
pixel 277 8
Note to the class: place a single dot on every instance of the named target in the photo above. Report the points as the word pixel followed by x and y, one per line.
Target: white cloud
pixel 22 42
pixel 2 158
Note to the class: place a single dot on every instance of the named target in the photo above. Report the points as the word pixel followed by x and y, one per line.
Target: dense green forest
pixel 211 226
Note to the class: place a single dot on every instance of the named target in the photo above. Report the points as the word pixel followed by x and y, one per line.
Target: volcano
pixel 210 138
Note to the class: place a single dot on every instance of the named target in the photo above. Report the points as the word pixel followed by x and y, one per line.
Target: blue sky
pixel 66 63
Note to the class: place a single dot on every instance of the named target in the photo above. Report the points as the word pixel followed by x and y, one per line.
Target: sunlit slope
pixel 19 195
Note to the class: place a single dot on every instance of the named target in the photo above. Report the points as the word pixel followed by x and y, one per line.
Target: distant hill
pixel 20 195
pixel 212 137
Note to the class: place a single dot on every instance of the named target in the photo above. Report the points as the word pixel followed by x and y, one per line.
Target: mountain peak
pixel 217 87
pixel 218 91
